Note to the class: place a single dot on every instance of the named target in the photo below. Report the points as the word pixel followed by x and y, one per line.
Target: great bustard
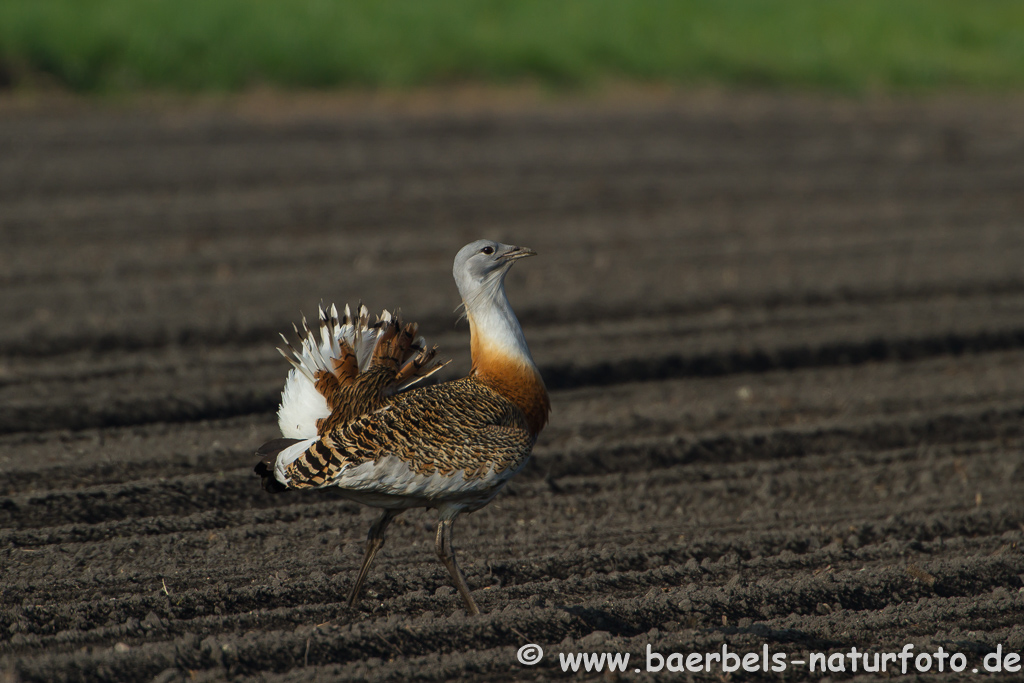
pixel 348 420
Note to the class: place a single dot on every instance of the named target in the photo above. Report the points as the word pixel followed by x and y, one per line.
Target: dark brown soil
pixel 784 338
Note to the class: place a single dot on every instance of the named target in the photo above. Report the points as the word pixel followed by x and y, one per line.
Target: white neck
pixel 494 327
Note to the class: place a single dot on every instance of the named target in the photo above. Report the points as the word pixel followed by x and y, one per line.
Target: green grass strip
pixel 194 45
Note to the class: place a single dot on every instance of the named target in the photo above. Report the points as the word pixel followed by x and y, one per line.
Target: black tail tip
pixel 268 480
pixel 265 468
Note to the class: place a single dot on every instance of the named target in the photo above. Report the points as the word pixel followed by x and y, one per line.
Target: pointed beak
pixel 516 253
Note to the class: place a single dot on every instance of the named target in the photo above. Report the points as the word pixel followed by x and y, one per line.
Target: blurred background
pixel 121 46
pixel 779 304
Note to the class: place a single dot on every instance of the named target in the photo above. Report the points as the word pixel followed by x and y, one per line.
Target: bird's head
pixel 480 268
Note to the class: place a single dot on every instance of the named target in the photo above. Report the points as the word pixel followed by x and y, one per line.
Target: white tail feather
pixel 301 404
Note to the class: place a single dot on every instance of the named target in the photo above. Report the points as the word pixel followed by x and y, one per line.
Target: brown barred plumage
pixel 460 425
pixel 352 424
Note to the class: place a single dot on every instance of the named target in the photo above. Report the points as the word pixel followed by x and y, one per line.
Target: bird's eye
pixel 487 250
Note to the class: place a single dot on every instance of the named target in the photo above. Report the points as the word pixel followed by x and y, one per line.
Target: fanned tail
pixel 350 369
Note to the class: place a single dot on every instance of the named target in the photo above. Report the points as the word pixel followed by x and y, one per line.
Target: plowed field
pixel 784 339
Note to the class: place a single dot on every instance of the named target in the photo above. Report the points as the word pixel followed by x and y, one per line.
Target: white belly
pixel 390 483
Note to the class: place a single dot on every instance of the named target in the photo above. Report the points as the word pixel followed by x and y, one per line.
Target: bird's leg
pixel 446 554
pixel 374 542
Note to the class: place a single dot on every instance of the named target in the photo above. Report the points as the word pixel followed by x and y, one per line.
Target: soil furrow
pixel 784 339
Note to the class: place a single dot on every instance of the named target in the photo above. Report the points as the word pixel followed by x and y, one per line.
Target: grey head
pixel 480 268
